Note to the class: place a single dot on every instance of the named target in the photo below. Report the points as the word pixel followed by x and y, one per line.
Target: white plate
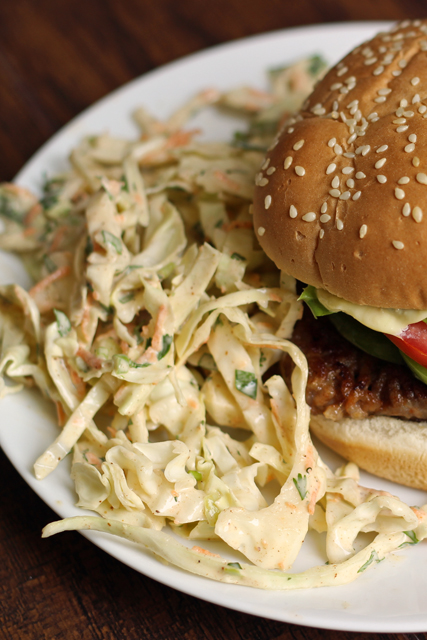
pixel 389 598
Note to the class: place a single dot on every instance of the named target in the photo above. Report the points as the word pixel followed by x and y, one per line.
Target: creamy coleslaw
pixel 155 325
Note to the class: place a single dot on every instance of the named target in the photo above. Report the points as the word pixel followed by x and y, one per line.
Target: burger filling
pixel 397 336
pixel 345 381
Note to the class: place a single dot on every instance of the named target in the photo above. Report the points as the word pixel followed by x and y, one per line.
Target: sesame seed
pixel 416 161
pixel 300 171
pixel 412 137
pixel 402 64
pixel 267 201
pixel 288 162
pixel 335 183
pixel 261 231
pixel 408 114
pixel 399 193
pixel 263 182
pixel 375 119
pixel 399 121
pixel 352 138
pixel 372 115
pixel 383 147
pixel 320 111
pixel 335 193
pixel 360 175
pixel 325 217
pixel 380 99
pixel 417 214
pixel 422 108
pixel 364 150
pixel 421 178
pixel 332 142
pixel 397 244
pixel 338 149
pixel 324 207
pixel 291 130
pixel 363 231
pixel 336 86
pixel 335 105
pixel 400 111
pixel 406 210
pixel 344 90
pixel 403 180
pixel 270 170
pixel 350 183
pixel 416 98
pixel 380 163
pixel 331 168
pixel 345 196
pixel 415 81
pixel 309 217
pixel 321 233
pixel 369 61
pixel 396 73
pixel 410 147
pixel 297 146
pixel 357 195
pixel 402 128
pixel 265 164
pixel 349 155
pixel 404 102
pixel 347 170
pixel 342 71
pixel 384 92
pixel 381 179
pixel 334 115
pixel 378 70
pixel 293 211
pixel 340 224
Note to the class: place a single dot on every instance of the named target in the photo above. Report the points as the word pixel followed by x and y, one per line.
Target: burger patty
pixel 344 381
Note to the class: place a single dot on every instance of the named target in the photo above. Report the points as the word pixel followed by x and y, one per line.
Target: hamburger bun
pixel 387 447
pixel 341 199
pixel 340 203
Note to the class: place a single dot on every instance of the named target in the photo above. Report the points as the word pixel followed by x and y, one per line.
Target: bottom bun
pixel 387 447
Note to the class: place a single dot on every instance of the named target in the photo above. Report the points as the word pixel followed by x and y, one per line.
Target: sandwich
pixel 340 204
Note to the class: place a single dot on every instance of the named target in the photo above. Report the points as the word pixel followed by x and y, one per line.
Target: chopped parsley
pixel 246 383
pixel 301 484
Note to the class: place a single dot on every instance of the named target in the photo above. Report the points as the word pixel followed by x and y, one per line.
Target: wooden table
pixel 56 58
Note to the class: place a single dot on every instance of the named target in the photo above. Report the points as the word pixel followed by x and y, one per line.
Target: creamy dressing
pixel 392 321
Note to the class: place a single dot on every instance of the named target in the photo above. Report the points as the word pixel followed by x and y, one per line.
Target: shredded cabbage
pixel 154 326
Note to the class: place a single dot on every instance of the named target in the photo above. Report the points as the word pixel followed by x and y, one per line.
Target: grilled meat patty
pixel 344 381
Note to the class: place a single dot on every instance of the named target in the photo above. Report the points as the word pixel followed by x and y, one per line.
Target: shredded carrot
pixel 89 358
pixel 32 214
pixel 62 272
pixel 58 238
pixel 180 138
pixel 77 381
pixel 60 414
pixel 231 184
pixel 93 459
pixel 30 231
pixel 205 552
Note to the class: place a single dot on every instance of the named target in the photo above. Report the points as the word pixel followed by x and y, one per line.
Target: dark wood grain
pixel 57 58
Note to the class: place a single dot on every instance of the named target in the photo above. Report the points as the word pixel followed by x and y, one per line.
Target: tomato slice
pixel 413 342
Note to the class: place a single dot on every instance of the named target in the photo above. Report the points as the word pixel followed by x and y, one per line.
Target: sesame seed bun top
pixel 341 198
